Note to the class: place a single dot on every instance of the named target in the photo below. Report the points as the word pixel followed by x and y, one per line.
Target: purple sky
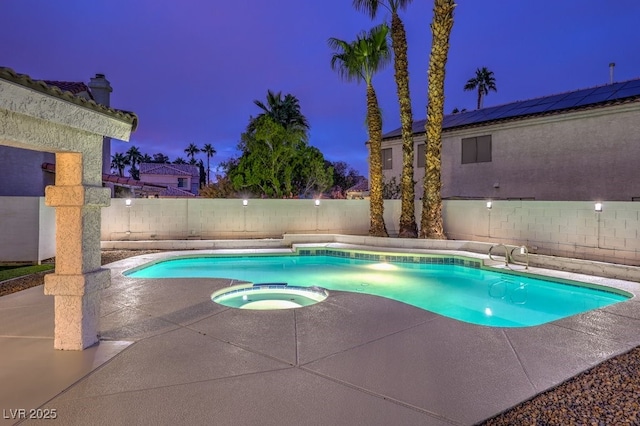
pixel 191 70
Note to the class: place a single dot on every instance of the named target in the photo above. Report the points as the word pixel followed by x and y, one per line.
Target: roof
pixel 169 169
pixel 117 180
pixel 599 96
pixel 361 186
pixel 76 88
pixel 175 192
pixel 51 89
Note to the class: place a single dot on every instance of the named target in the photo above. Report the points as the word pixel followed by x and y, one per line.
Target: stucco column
pixel 78 278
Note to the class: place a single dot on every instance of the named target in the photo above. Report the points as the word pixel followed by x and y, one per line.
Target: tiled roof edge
pixel 39 85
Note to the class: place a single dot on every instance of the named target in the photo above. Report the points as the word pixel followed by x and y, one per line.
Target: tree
pixel 311 175
pixel 134 155
pixel 431 220
pixel 267 164
pixel 285 112
pixel 221 188
pixel 160 158
pixel 344 177
pixel 209 151
pixel 483 82
pixel 118 162
pixel 179 160
pixel 191 152
pixel 203 174
pixel 146 158
pixel 408 227
pixel 359 61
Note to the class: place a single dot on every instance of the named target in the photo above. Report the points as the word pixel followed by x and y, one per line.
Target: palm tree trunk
pixel 479 96
pixel 208 177
pixel 431 222
pixel 376 203
pixel 408 227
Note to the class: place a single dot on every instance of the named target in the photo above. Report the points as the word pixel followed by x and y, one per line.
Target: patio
pixel 169 355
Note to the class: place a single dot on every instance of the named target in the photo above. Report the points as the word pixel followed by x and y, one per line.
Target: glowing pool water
pixel 455 287
pixel 268 296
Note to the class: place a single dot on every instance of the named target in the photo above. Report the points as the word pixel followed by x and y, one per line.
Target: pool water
pixel 473 295
pixel 268 296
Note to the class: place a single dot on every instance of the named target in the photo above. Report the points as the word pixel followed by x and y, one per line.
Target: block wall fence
pixel 558 228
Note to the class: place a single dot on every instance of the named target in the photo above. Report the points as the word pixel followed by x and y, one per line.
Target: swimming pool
pixel 455 287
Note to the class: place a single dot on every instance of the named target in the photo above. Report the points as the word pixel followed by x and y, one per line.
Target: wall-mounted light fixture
pixel 489 204
pixel 317 202
pixel 127 202
pixel 598 207
pixel 245 202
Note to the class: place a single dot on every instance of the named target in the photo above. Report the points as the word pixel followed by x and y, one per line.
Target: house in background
pixel 582 145
pixel 21 170
pixel 180 180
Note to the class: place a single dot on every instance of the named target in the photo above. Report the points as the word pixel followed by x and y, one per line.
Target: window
pixel 421 155
pixel 476 150
pixel 182 182
pixel 387 163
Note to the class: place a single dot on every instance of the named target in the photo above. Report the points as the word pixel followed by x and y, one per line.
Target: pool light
pixel 598 207
pixel 382 266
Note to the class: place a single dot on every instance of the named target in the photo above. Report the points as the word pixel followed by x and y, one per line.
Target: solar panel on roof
pixel 566 103
pixel 594 98
pixel 607 89
pixel 630 84
pixel 578 94
pixel 542 107
pixel 553 98
pixel 492 115
pixel 627 92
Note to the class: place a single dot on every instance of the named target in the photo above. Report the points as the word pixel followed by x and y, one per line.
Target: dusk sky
pixel 191 69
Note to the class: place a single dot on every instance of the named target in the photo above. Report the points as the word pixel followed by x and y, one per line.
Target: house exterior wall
pixel 22 172
pixel 27 229
pixel 166 180
pixel 575 156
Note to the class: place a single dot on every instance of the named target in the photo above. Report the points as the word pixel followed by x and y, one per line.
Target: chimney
pixel 611 66
pixel 101 92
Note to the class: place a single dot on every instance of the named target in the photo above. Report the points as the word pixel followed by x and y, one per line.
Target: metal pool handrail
pixel 506 253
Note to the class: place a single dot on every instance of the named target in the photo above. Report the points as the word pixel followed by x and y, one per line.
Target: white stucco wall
pixel 27 230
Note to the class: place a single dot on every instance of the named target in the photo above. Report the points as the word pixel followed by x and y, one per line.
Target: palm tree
pixel 408 227
pixel 179 160
pixel 134 155
pixel 431 220
pixel 160 158
pixel 359 61
pixel 209 152
pixel 283 111
pixel 118 162
pixel 483 82
pixel 191 151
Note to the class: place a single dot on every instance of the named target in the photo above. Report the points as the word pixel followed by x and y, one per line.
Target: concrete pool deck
pixel 169 355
